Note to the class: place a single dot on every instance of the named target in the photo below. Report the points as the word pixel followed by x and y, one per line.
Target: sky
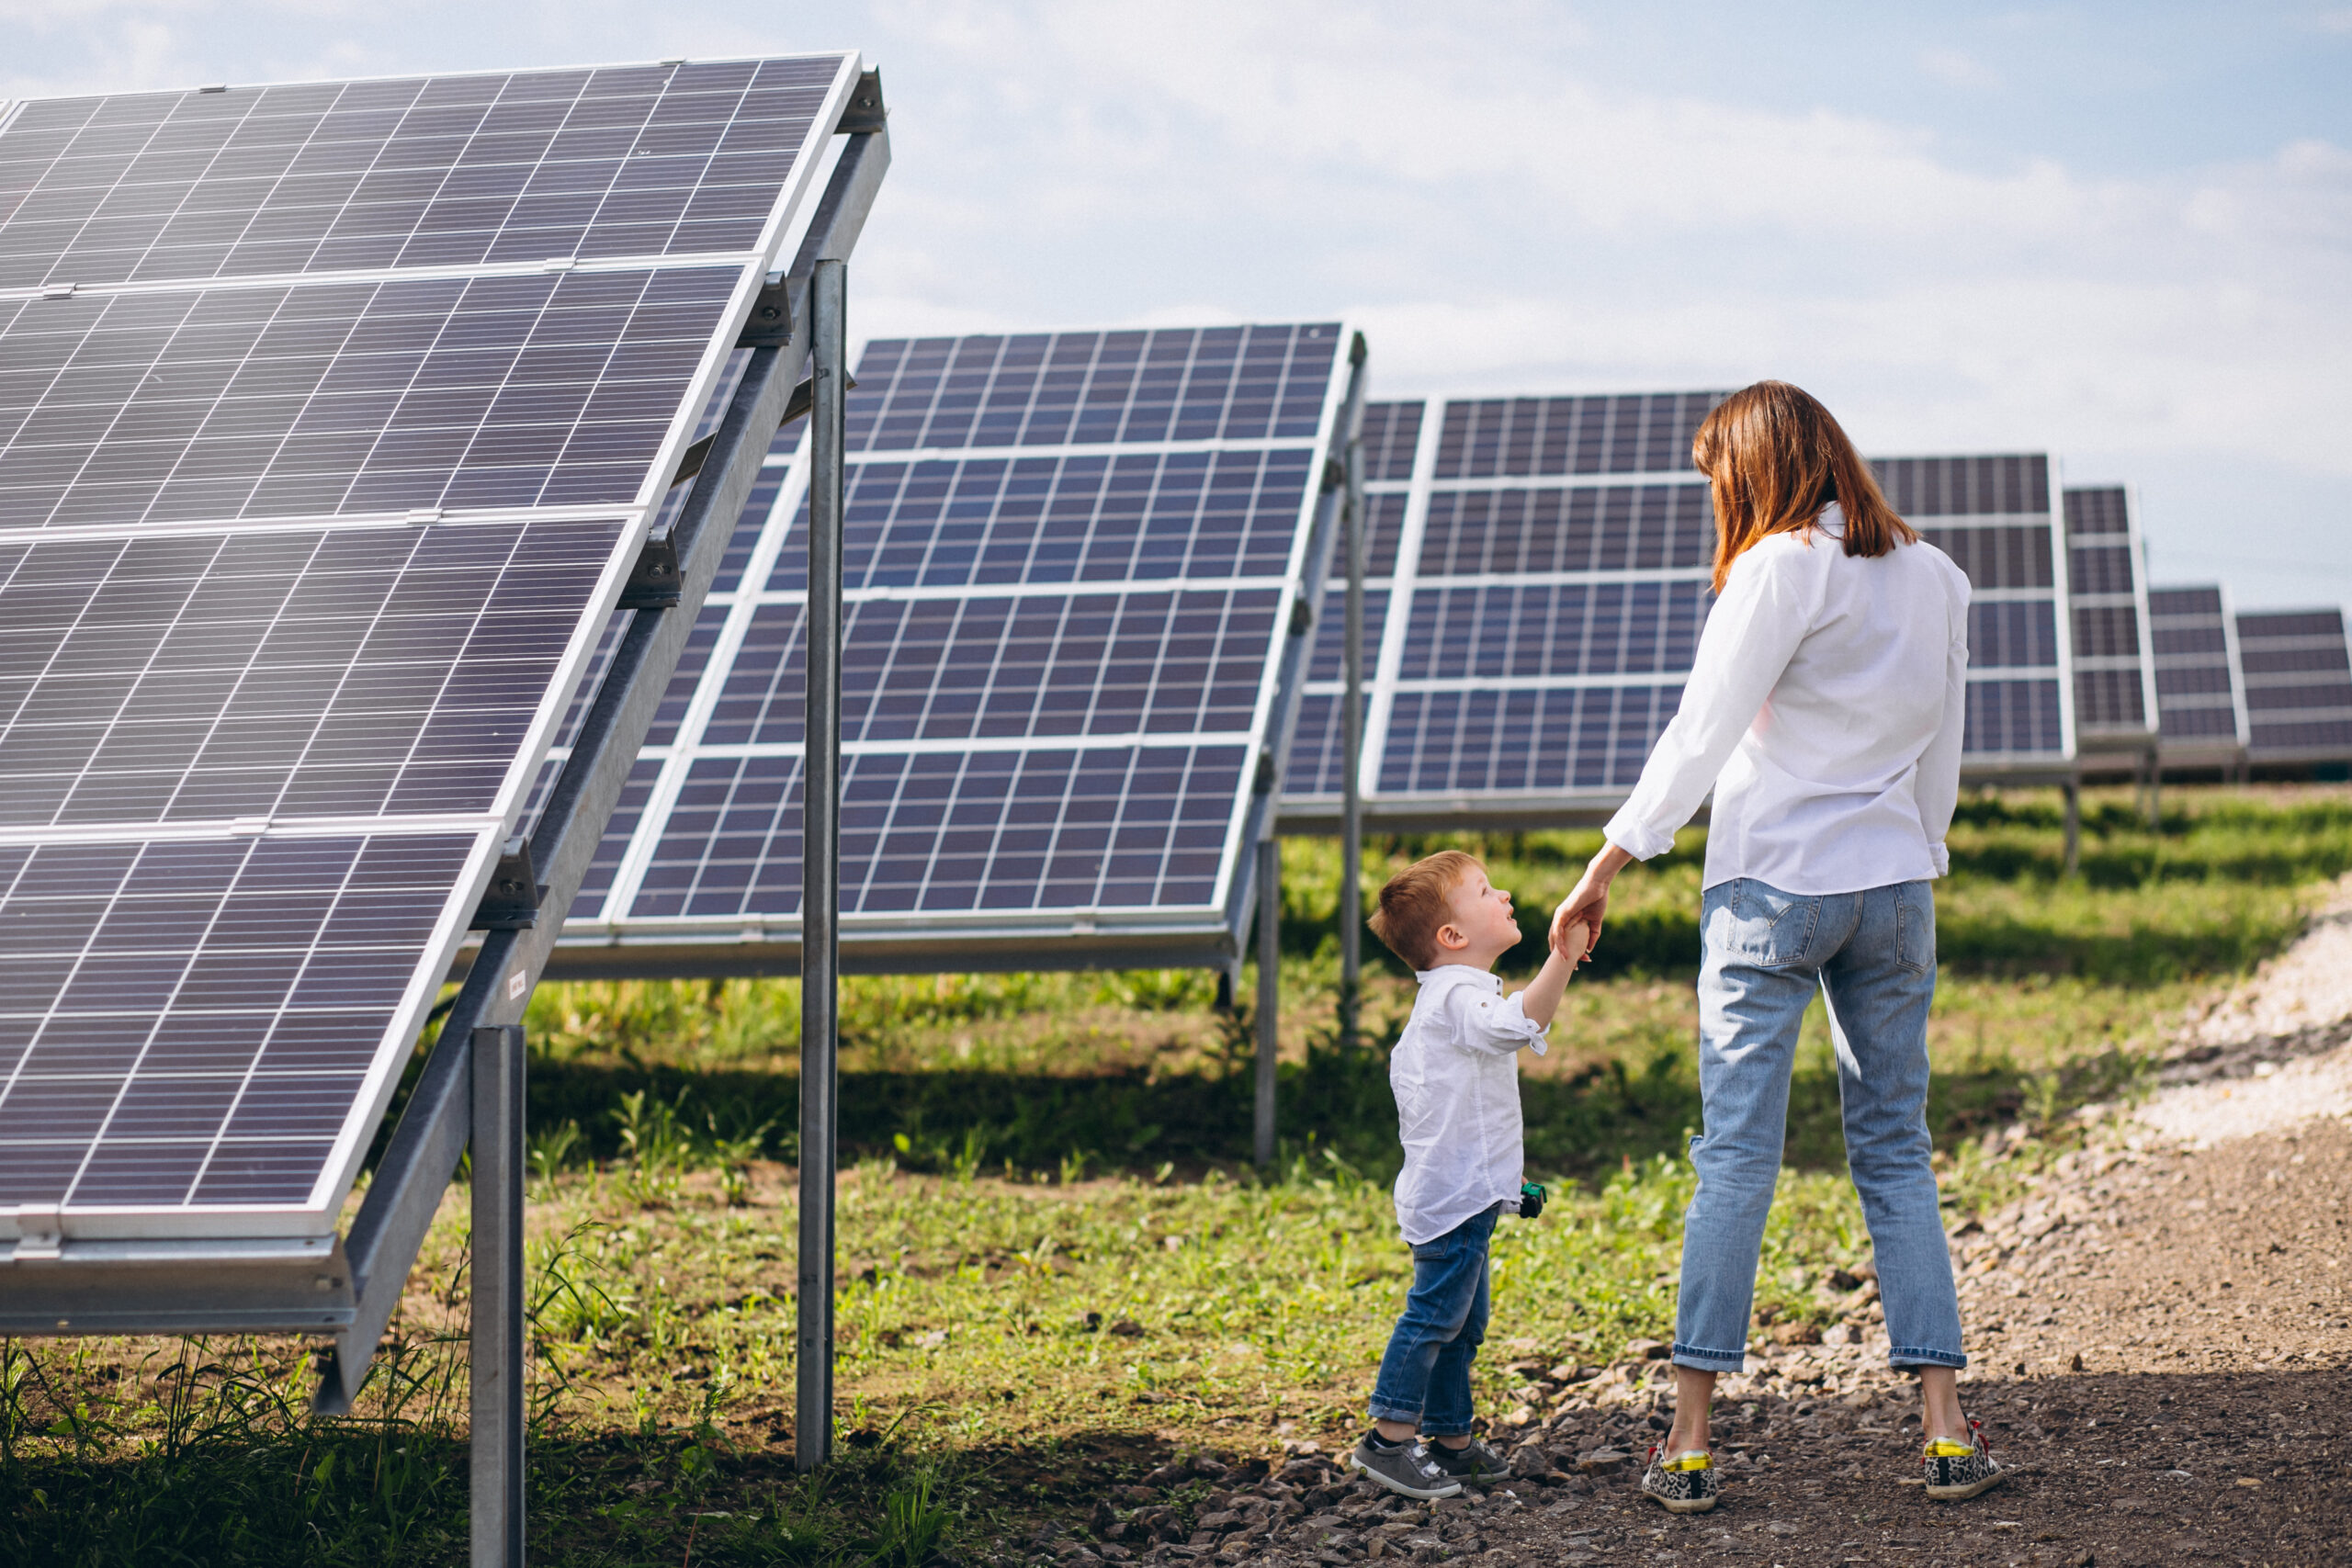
pixel 2120 232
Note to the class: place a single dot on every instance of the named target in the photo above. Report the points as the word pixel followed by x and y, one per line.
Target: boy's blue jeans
pixel 1872 954
pixel 1424 1376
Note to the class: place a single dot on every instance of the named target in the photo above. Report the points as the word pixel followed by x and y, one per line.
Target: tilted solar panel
pixel 1076 570
pixel 1554 554
pixel 2201 694
pixel 2115 694
pixel 333 418
pixel 2297 686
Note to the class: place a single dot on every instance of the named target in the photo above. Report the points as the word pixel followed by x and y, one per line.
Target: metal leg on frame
pixel 2073 791
pixel 1270 970
pixel 812 1430
pixel 497 1504
pixel 1352 750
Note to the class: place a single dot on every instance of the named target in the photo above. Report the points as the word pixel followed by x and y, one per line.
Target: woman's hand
pixel 1588 901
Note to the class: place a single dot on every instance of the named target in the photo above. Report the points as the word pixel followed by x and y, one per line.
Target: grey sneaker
pixel 1957 1471
pixel 1685 1485
pixel 1474 1462
pixel 1409 1470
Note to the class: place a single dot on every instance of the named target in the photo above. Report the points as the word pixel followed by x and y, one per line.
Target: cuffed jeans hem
pixel 1393 1413
pixel 1691 1356
pixel 1907 1355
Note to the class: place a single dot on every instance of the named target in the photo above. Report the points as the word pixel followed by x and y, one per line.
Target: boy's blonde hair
pixel 1412 904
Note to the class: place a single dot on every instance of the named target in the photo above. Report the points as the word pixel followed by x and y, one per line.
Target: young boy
pixel 1455 1074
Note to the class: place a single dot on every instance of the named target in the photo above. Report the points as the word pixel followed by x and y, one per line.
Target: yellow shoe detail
pixel 1700 1461
pixel 1944 1447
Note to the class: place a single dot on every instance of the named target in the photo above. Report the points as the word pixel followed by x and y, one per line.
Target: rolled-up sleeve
pixel 1749 638
pixel 1938 789
pixel 1483 1020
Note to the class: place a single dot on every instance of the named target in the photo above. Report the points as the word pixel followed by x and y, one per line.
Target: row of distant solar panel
pixel 2297 684
pixel 1565 543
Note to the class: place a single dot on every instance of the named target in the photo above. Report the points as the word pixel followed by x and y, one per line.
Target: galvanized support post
pixel 2073 791
pixel 2156 791
pixel 497 1437
pixel 1352 540
pixel 1270 996
pixel 820 873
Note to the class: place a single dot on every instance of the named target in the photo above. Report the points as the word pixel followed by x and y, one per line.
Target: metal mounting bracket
pixel 770 325
pixel 796 406
pixel 511 901
pixel 867 112
pixel 653 582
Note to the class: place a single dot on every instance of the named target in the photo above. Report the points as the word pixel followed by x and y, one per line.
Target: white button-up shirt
pixel 1456 1076
pixel 1825 709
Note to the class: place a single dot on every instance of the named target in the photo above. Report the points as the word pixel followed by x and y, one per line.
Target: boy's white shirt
pixel 1456 1076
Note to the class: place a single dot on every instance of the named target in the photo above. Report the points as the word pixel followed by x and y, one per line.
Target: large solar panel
pixel 1076 567
pixel 333 418
pixel 2297 686
pixel 1551 557
pixel 2201 694
pixel 2107 593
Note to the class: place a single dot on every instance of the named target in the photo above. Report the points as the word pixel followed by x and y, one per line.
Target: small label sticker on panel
pixel 516 983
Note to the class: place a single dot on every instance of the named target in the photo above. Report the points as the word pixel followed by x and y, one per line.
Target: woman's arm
pixel 1749 638
pixel 1937 790
pixel 1587 903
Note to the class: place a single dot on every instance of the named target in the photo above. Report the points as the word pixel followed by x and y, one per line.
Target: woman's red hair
pixel 1776 459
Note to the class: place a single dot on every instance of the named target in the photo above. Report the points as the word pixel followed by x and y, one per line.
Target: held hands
pixel 1576 925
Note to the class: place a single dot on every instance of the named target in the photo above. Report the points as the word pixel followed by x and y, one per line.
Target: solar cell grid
pixel 189 1022
pixel 361 671
pixel 1577 629
pixel 1610 434
pixel 1392 431
pixel 1943 486
pixel 329 399
pixel 1079 389
pixel 452 170
pixel 993 522
pixel 1615 528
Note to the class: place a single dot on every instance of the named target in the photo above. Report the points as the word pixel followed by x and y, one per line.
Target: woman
pixel 1823 710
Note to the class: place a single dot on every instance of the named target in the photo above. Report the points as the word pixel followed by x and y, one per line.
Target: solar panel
pixel 1554 554
pixel 2201 694
pixel 1076 567
pixel 2115 696
pixel 333 419
pixel 2297 686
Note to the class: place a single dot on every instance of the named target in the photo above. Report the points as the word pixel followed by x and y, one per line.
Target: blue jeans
pixel 1872 954
pixel 1424 1376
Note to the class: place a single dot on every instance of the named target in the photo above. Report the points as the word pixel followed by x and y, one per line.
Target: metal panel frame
pixel 1203 936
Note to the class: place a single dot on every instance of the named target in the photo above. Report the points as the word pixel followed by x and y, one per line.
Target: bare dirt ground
pixel 2161 1341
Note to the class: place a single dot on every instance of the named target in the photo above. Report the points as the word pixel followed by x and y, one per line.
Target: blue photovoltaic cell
pixel 1094 519
pixel 447 171
pixel 1000 607
pixel 1391 432
pixel 2197 693
pixel 1593 528
pixel 955 832
pixel 2103 593
pixel 1524 742
pixel 2298 685
pixel 1636 434
pixel 331 399
pixel 1086 388
pixel 1605 628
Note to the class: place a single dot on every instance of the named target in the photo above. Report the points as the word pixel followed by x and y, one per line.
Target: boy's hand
pixel 1573 941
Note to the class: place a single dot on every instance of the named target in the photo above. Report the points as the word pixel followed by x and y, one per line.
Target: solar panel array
pixel 1551 557
pixel 331 416
pixel 1072 560
pixel 2115 697
pixel 2297 686
pixel 2201 694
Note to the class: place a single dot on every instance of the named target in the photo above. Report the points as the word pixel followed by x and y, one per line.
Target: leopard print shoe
pixel 1956 1471
pixel 1684 1484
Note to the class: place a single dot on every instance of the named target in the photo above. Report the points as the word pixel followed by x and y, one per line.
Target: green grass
pixel 1042 1158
